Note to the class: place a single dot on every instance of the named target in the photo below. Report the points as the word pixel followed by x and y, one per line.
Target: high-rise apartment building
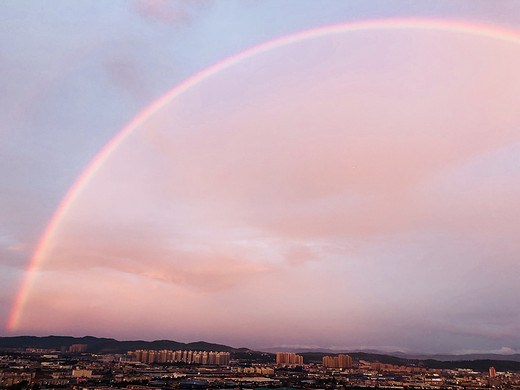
pixel 289 358
pixel 340 361
pixel 190 357
pixel 345 361
pixel 223 358
pixel 75 348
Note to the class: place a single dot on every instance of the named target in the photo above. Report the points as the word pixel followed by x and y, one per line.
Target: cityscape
pixel 275 194
pixel 72 366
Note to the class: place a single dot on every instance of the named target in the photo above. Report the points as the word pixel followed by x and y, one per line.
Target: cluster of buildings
pixel 289 358
pixel 257 370
pixel 78 348
pixel 340 361
pixel 88 371
pixel 190 357
pixel 11 378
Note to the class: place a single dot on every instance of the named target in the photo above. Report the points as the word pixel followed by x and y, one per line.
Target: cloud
pixel 170 12
pixel 125 73
pixel 18 247
pixel 500 351
pixel 300 255
pixel 207 269
pixel 14 254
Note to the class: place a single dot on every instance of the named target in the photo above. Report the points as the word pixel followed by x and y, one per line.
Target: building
pixel 79 373
pixel 340 361
pixel 289 358
pixel 345 361
pixel 77 348
pixel 190 357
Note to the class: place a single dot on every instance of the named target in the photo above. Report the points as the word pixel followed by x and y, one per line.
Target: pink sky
pixel 353 190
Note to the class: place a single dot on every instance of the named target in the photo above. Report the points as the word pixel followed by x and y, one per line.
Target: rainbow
pixel 45 241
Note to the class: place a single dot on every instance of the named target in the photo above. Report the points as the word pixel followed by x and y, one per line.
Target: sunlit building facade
pixel 190 357
pixel 340 361
pixel 288 358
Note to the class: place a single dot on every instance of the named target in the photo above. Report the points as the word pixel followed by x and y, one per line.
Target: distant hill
pixel 105 345
pixel 442 357
pixel 500 364
pixel 473 356
pixel 310 357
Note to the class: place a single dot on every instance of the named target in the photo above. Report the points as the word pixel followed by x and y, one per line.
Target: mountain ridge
pixel 414 356
pixel 105 345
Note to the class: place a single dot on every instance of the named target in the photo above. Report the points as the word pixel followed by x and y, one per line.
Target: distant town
pixel 74 366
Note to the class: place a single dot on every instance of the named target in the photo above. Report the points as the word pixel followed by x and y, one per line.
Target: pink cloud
pixel 18 247
pixel 174 11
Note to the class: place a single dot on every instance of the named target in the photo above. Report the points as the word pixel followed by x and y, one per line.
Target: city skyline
pixel 344 179
pixel 197 369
